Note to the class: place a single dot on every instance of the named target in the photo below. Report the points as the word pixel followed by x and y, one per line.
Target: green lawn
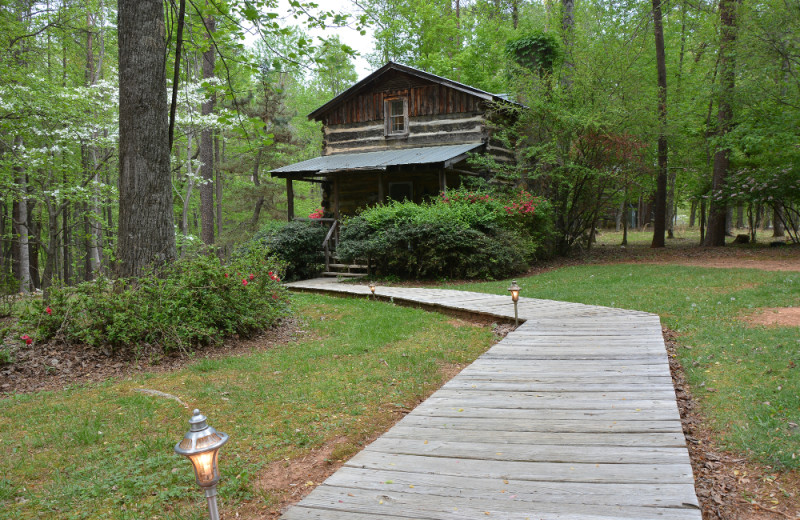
pixel 106 451
pixel 747 378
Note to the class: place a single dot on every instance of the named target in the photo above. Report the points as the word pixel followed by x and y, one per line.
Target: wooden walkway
pixel 571 417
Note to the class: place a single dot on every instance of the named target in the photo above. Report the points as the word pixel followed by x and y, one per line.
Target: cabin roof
pixel 370 81
pixel 444 155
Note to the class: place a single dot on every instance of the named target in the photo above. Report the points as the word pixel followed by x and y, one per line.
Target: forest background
pixel 616 129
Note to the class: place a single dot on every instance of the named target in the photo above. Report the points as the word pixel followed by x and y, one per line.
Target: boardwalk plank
pixel 668 495
pixel 536 453
pixel 571 438
pixel 571 417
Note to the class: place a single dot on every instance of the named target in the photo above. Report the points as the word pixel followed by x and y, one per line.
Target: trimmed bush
pixel 462 235
pixel 298 244
pixel 192 302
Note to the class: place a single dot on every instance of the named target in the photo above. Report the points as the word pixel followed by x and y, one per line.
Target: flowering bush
pixel 193 302
pixel 463 234
pixel 317 213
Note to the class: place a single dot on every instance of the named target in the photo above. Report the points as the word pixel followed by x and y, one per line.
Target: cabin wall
pixel 426 130
pixel 437 115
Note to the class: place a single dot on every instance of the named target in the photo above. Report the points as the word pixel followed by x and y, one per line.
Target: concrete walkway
pixel 571 417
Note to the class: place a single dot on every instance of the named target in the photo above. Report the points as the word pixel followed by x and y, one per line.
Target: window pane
pixel 397 108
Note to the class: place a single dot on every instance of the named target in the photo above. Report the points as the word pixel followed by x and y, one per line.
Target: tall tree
pixel 146 222
pixel 659 226
pixel 207 142
pixel 718 210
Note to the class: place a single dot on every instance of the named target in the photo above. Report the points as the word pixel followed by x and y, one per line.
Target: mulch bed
pixel 55 366
pixel 728 486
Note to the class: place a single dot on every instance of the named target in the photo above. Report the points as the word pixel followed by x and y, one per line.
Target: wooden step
pixel 348 266
pixel 349 275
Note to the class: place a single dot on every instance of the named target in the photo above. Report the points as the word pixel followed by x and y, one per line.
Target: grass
pixel 747 378
pixel 106 451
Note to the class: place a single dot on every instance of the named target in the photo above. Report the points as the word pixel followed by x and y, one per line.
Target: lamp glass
pixel 205 467
pixel 514 295
pixel 514 290
pixel 372 288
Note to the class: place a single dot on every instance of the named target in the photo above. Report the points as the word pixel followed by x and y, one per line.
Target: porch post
pixel 442 181
pixel 336 197
pixel 289 199
pixel 381 194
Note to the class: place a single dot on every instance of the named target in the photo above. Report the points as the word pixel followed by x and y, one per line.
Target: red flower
pixel 252 276
pixel 27 339
pixel 244 281
pixel 270 274
pixel 226 275
pixel 48 311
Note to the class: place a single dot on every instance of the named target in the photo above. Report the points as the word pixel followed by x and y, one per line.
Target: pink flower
pixel 244 281
pixel 252 276
pixel 27 339
pixel 270 274
pixel 226 275
pixel 48 310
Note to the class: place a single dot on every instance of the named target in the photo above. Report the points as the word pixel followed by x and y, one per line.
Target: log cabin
pixel 400 133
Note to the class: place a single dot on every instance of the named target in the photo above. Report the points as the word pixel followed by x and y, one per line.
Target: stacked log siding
pixel 437 114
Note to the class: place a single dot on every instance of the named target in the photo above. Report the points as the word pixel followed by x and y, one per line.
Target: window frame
pixel 388 117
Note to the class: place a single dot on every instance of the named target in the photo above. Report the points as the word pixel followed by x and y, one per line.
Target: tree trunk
pixel 702 221
pixel 693 214
pixel 777 220
pixel 66 240
pixel 22 229
pixel 189 186
pixel 568 33
pixel 146 222
pixel 218 183
pixel 207 150
pixel 727 63
pixel 739 216
pixel 257 183
pixel 515 13
pixel 659 225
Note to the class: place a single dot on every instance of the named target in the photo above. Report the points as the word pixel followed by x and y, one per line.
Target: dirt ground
pixel 728 486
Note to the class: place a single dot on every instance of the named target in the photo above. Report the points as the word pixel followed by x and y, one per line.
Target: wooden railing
pixel 332 236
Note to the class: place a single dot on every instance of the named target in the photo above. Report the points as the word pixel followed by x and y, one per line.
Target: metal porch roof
pixel 447 155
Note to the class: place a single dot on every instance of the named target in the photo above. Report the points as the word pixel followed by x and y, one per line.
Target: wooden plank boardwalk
pixel 571 417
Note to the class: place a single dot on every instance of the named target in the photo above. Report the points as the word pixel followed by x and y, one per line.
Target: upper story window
pixel 396 116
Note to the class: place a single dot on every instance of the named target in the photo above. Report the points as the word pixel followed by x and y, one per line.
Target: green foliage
pixel 538 51
pixel 462 235
pixel 298 244
pixel 104 451
pixel 192 302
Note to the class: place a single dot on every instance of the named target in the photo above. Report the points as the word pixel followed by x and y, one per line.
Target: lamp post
pixel 372 289
pixel 201 446
pixel 514 290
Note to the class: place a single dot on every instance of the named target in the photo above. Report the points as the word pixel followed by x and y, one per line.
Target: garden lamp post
pixel 201 446
pixel 514 290
pixel 372 289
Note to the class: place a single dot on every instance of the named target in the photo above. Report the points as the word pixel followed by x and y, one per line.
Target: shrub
pixel 462 235
pixel 192 302
pixel 298 244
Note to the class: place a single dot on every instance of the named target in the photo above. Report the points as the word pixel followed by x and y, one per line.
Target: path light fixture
pixel 372 288
pixel 514 290
pixel 201 446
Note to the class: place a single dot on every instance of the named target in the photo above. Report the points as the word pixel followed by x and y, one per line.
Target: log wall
pixel 438 115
